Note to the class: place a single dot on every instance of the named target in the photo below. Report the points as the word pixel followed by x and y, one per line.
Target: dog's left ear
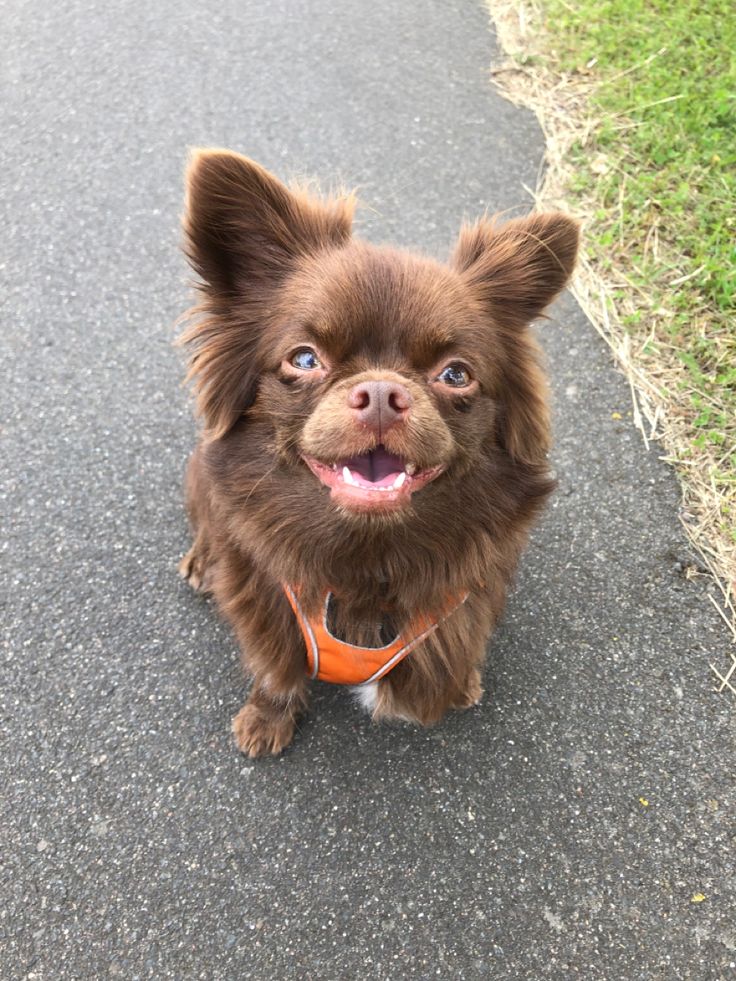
pixel 515 270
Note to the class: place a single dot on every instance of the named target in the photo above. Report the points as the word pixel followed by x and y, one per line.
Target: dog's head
pixel 383 378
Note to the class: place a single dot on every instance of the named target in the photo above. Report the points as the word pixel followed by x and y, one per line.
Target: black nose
pixel 379 405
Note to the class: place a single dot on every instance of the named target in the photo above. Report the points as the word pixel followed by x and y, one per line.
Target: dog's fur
pixel 279 272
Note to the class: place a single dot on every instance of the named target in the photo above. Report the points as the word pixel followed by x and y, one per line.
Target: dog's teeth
pixel 399 481
pixel 348 477
pixel 411 469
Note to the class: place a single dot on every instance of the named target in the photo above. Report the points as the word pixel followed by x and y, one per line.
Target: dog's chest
pixel 360 626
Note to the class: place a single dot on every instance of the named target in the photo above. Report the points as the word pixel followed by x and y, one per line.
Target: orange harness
pixel 334 660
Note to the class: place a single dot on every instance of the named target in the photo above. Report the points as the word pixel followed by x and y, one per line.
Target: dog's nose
pixel 379 404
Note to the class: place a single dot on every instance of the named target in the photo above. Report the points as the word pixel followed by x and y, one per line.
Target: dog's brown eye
pixel 306 360
pixel 455 375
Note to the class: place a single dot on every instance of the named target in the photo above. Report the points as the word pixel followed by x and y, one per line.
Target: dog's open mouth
pixel 377 479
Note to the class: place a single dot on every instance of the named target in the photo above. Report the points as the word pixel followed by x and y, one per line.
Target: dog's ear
pixel 515 270
pixel 244 227
pixel 518 268
pixel 245 231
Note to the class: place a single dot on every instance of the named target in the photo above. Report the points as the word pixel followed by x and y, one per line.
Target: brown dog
pixel 375 442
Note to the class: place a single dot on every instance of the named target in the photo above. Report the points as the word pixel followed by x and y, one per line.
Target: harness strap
pixel 334 660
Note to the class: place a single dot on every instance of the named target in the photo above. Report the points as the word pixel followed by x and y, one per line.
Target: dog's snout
pixel 379 404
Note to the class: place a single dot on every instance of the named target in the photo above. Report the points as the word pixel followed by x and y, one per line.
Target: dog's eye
pixel 306 360
pixel 455 375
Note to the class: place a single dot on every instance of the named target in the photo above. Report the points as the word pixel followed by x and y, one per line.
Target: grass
pixel 668 107
pixel 637 99
pixel 665 182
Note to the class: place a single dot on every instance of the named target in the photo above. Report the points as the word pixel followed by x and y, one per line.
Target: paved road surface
pixel 509 842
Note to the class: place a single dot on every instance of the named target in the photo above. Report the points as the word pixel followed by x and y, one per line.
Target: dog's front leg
pixel 273 653
pixel 266 723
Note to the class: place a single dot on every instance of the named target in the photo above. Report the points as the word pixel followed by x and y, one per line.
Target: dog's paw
pixel 473 693
pixel 194 570
pixel 262 734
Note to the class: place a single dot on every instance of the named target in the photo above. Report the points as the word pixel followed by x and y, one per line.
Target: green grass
pixel 661 170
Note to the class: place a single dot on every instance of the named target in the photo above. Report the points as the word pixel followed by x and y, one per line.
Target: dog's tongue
pixel 378 467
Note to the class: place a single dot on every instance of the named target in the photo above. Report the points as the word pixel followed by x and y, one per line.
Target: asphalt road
pixel 561 829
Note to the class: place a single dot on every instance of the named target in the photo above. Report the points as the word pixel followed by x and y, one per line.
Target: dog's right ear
pixel 245 231
pixel 244 227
